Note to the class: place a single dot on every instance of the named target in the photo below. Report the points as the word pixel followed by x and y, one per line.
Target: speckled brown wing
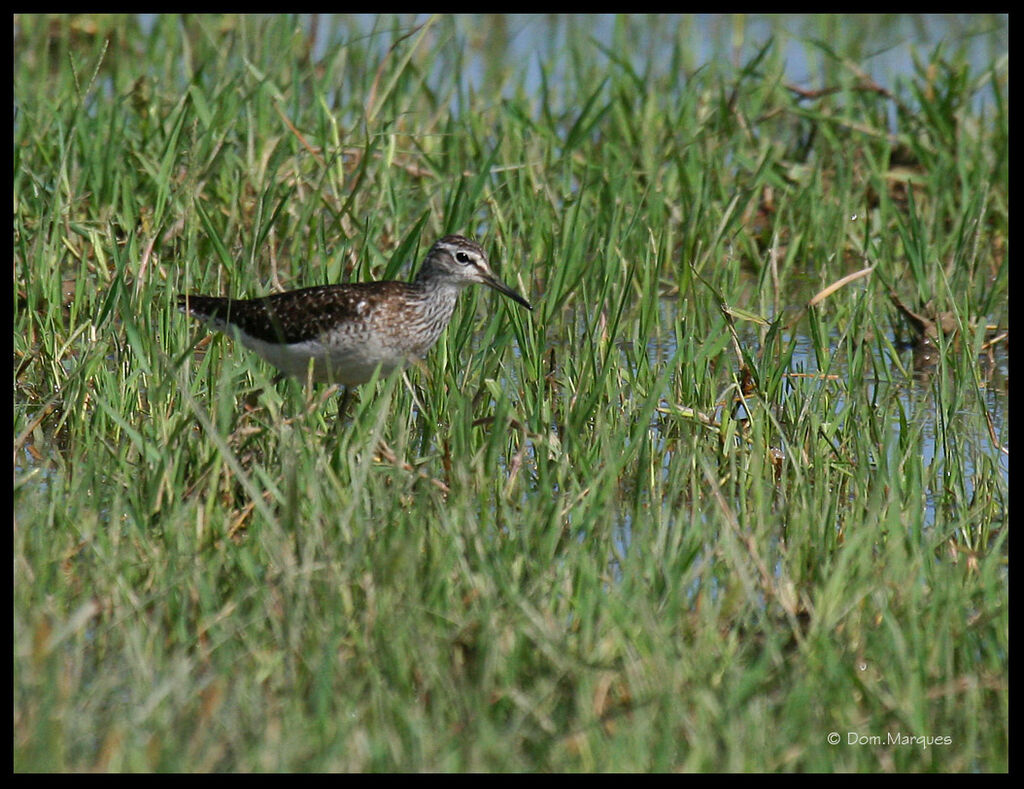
pixel 295 316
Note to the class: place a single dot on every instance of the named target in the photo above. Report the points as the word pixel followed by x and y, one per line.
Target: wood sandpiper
pixel 348 331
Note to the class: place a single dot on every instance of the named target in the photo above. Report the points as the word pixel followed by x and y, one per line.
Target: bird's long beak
pixel 492 281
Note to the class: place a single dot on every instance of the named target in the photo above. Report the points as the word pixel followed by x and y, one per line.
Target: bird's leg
pixel 343 402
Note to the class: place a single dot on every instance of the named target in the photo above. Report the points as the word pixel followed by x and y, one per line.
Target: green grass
pixel 557 546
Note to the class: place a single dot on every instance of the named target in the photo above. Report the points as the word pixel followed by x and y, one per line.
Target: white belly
pixel 348 364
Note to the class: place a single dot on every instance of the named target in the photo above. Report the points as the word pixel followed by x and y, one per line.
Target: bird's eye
pixel 462 257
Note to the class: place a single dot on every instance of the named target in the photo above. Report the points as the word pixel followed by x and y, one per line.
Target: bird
pixel 344 333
